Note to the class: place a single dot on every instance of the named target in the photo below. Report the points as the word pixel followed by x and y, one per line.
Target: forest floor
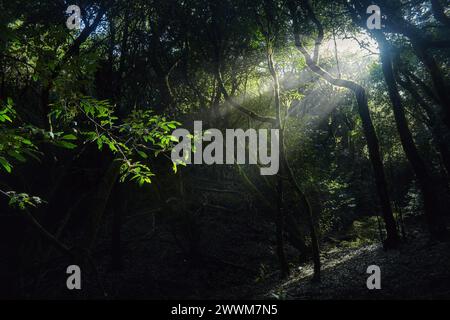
pixel 418 269
pixel 237 261
pixel 242 267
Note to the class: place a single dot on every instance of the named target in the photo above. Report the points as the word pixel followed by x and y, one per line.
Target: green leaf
pixel 69 137
pixel 142 154
pixel 6 165
pixel 4 117
pixel 100 143
pixel 174 167
pixel 27 142
pixel 7 118
pixel 111 146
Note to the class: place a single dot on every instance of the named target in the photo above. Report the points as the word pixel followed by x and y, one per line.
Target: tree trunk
pixel 280 212
pixel 437 129
pixel 392 238
pixel 305 207
pixel 431 203
pixel 369 131
pixel 295 235
pixel 284 164
pixel 284 267
pixel 439 83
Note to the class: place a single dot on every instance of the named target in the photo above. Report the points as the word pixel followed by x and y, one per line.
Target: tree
pixel 361 98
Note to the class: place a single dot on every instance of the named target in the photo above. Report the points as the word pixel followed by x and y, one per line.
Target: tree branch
pixel 237 106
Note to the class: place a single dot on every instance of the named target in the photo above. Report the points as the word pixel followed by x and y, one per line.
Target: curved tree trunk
pixel 368 128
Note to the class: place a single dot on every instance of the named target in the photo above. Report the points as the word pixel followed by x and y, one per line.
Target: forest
pixel 232 149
